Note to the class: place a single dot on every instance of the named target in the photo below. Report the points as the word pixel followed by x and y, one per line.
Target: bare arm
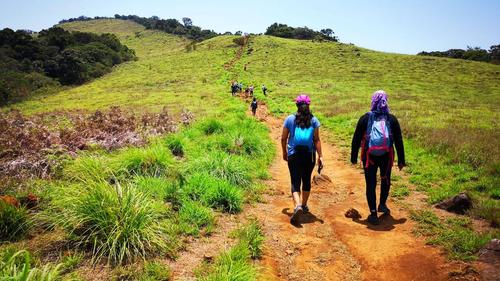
pixel 284 140
pixel 317 145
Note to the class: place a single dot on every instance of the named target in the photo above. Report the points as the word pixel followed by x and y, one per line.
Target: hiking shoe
pixel 384 209
pixel 305 208
pixel 297 212
pixel 373 219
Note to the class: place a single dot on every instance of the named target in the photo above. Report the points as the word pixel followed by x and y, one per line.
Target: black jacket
pixel 360 132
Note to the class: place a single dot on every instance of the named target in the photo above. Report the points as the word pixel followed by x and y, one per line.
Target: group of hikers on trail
pixel 377 132
pixel 237 87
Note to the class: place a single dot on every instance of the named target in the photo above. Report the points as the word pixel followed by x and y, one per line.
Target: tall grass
pixel 196 218
pixel 18 265
pixel 235 264
pixel 454 234
pixel 231 168
pixel 14 222
pixel 120 224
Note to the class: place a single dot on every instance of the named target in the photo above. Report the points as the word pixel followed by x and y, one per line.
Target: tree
pixel 495 54
pixel 328 32
pixel 187 22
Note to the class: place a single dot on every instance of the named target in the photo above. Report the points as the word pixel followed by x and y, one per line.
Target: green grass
pixel 448 110
pixel 235 263
pixel 454 234
pixel 119 223
pixel 14 222
pixel 19 265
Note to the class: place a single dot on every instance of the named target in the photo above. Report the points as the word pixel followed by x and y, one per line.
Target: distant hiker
pixel 376 132
pixel 300 141
pixel 250 90
pixel 234 88
pixel 254 106
pixel 264 90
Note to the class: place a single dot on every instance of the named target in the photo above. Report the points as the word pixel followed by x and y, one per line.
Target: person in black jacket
pixel 378 125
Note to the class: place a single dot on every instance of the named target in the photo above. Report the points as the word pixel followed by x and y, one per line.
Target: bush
pixel 119 223
pixel 14 222
pixel 176 146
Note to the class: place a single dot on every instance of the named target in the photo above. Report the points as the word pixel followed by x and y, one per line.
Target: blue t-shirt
pixel 290 125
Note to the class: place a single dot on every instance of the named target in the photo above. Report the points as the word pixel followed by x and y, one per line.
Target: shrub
pixel 119 223
pixel 195 217
pixel 14 222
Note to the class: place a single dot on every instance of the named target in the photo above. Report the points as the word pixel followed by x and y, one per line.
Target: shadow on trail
pixel 387 223
pixel 304 219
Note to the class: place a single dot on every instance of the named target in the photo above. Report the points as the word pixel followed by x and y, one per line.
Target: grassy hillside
pixel 165 73
pixel 448 109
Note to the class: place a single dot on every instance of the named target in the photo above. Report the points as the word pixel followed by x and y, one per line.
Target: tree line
pixel 29 61
pixel 172 26
pixel 477 54
pixel 193 32
pixel 301 33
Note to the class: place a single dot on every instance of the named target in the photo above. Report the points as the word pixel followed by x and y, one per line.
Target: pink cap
pixel 303 99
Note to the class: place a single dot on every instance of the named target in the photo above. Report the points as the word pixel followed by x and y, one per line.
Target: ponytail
pixel 303 116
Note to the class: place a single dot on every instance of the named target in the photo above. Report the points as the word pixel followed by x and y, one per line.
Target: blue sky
pixel 392 26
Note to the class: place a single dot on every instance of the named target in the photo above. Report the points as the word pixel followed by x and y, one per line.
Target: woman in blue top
pixel 300 141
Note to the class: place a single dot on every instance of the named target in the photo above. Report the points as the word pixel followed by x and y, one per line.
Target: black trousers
pixel 383 164
pixel 301 165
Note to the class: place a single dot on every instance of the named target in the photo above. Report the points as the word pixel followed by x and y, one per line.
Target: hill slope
pixel 448 108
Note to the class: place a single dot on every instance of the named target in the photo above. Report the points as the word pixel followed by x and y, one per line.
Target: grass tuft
pixel 120 224
pixel 14 222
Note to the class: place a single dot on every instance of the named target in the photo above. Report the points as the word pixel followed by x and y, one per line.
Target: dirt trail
pixel 329 246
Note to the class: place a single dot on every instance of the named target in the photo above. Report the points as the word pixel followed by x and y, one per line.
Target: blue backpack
pixel 378 134
pixel 303 138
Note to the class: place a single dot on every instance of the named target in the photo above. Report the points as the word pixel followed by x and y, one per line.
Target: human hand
pixel 285 157
pixel 320 163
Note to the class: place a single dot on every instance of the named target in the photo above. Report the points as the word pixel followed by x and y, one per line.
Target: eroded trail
pixel 329 246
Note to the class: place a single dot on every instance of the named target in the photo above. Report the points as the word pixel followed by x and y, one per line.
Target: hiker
pixel 264 90
pixel 250 90
pixel 376 133
pixel 300 141
pixel 254 106
pixel 234 88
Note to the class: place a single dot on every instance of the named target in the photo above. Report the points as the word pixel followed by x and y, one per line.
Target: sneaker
pixel 384 209
pixel 305 208
pixel 373 219
pixel 297 212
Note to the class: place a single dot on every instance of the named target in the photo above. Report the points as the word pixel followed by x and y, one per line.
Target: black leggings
pixel 301 165
pixel 376 163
